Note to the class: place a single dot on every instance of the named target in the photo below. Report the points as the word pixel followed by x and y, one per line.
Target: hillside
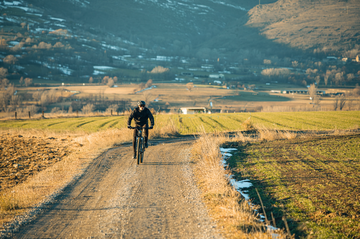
pixel 321 26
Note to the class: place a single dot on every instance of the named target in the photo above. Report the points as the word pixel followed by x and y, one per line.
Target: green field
pixel 313 181
pixel 189 124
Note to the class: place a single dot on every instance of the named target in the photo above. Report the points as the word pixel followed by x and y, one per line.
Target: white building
pixel 193 110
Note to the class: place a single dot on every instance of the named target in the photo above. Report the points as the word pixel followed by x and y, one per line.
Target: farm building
pixel 217 76
pixel 193 110
pixel 319 92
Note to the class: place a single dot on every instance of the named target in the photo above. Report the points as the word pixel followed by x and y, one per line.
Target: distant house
pixel 193 110
pixel 217 76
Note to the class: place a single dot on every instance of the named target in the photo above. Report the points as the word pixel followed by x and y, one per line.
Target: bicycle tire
pixel 138 150
pixel 142 157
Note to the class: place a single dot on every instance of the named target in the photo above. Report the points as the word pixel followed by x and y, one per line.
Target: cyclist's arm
pixel 151 117
pixel 130 118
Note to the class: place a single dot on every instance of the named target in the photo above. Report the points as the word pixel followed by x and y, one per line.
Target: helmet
pixel 141 103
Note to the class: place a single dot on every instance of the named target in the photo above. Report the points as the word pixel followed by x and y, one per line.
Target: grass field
pixel 189 124
pixel 313 181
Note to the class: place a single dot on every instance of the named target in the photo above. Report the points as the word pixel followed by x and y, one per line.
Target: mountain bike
pixel 140 143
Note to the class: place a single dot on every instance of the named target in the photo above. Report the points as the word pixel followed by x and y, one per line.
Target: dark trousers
pixel 145 134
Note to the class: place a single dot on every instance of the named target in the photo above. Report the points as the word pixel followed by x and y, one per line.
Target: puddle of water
pixel 242 186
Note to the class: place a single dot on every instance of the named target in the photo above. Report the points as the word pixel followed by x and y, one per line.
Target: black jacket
pixel 141 117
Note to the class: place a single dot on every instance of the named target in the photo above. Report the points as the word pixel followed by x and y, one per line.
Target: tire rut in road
pixel 115 198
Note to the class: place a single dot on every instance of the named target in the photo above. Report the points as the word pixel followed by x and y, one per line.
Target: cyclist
pixel 141 115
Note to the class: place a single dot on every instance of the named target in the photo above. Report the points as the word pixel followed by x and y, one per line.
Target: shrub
pixel 89 108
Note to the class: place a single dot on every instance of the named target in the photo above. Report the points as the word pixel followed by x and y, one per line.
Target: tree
pixel 105 80
pixel 43 45
pixel 23 24
pixel 28 82
pixel 336 103
pixel 91 80
pixel 115 79
pixel 326 79
pixel 342 102
pixel 58 45
pixel 21 81
pixel 10 59
pixel 190 86
pixel 110 83
pixel 89 108
pixel 350 76
pixel 339 77
pixel 3 72
pixel 312 91
pixel 148 83
pixel 4 82
pixel 37 95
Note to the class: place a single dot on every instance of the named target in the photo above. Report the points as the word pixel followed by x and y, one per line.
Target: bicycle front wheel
pixel 142 157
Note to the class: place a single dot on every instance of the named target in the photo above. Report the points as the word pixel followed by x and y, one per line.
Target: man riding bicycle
pixel 141 115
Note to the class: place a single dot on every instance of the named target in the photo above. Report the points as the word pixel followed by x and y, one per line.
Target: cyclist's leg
pixel 146 135
pixel 134 141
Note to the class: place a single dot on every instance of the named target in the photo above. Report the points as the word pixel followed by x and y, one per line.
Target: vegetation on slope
pixel 322 26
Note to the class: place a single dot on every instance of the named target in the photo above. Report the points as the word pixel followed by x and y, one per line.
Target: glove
pixel 129 126
pixel 151 127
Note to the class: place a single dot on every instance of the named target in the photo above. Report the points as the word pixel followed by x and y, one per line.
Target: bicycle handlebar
pixel 144 127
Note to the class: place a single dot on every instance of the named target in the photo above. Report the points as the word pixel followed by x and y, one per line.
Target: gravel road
pixel 116 198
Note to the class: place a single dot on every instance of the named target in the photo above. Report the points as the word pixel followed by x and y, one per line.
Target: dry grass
pixel 37 189
pixel 328 25
pixel 168 130
pixel 269 134
pixel 234 216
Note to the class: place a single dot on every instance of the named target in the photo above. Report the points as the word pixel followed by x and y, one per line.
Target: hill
pixel 319 26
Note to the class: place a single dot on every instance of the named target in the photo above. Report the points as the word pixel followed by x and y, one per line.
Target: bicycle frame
pixel 140 144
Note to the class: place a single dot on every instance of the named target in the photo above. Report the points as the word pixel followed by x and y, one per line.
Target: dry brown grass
pixel 234 217
pixel 328 25
pixel 270 134
pixel 37 189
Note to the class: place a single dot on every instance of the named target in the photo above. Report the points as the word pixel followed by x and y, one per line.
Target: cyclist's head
pixel 141 105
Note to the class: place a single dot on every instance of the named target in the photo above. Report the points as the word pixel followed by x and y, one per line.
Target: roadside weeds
pixel 234 216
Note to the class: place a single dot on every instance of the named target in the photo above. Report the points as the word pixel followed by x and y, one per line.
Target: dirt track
pixel 115 198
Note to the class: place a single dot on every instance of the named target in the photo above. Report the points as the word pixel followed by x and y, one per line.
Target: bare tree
pixel 342 102
pixel 350 77
pixel 3 72
pixel 190 86
pixel 110 83
pixel 28 82
pixel 336 103
pixel 141 86
pixel 339 77
pixel 91 80
pixel 21 81
pixel 10 59
pixel 312 91
pixel 148 83
pixel 89 108
pixel 37 96
pixel 326 79
pixel 4 82
pixel 105 80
